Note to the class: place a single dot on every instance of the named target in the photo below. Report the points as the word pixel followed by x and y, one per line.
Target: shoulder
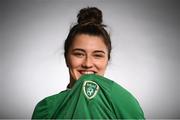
pixel 125 103
pixel 46 106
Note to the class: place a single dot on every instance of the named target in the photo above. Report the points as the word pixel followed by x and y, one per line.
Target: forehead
pixel 89 42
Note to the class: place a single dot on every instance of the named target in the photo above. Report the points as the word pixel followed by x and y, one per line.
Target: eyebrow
pixel 99 51
pixel 82 50
pixel 78 49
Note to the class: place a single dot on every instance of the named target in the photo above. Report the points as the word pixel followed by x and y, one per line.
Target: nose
pixel 87 63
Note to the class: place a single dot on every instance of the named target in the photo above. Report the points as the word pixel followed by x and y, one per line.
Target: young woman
pixel 89 94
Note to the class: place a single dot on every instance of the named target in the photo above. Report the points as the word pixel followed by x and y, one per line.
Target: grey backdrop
pixel 145 58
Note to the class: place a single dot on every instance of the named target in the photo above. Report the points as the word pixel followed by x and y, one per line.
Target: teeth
pixel 87 72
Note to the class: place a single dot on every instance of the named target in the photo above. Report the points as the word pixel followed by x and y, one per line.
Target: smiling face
pixel 87 55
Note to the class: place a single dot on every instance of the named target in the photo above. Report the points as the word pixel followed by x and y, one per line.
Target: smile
pixel 87 72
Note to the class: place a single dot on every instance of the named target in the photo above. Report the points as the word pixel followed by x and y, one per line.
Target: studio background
pixel 145 58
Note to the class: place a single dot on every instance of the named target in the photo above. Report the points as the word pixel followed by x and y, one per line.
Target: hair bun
pixel 89 14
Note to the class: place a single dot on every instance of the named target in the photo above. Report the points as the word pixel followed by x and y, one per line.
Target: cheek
pixel 73 62
pixel 102 65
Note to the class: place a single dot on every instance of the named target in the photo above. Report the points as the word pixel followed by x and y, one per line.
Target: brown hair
pixel 89 22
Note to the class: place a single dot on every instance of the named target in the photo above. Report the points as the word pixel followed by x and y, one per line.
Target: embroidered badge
pixel 90 89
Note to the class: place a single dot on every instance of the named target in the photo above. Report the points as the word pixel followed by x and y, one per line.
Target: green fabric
pixel 110 101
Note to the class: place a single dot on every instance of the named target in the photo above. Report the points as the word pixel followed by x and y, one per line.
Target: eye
pixel 78 54
pixel 98 56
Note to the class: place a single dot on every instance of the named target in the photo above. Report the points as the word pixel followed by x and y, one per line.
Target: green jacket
pixel 91 97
